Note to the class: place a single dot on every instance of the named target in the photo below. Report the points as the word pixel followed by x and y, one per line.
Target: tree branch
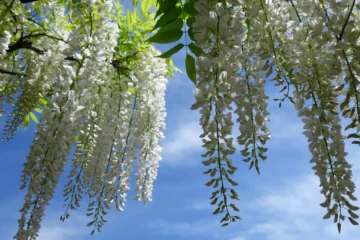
pixel 21 43
pixel 32 20
pixel 28 1
pixel 72 59
pixel 347 20
pixel 24 45
pixel 12 73
pixel 44 35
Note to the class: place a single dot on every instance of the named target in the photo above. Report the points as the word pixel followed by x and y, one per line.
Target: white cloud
pixel 292 212
pixel 285 126
pixel 59 232
pixel 238 238
pixel 51 227
pixel 182 141
pixel 201 205
pixel 72 228
pixel 182 228
pixel 293 199
pixel 204 228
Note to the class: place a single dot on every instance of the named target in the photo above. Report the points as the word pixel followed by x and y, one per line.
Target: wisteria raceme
pixel 94 80
pixel 252 114
pixel 293 43
pixel 86 96
pixel 316 101
pixel 217 87
pixel 151 84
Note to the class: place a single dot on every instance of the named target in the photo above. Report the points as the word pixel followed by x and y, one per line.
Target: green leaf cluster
pixel 174 22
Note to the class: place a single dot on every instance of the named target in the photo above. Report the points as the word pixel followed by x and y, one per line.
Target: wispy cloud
pixel 292 212
pixel 181 228
pixel 238 238
pixel 201 205
pixel 196 228
pixel 183 141
pixel 72 228
pixel 51 228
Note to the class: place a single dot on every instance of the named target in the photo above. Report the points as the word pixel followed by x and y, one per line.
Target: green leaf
pixel 257 166
pixel 34 118
pixel 172 51
pixel 195 49
pixel 339 227
pixel 251 165
pixel 213 202
pixel 231 181
pixel 190 21
pixel 190 67
pixel 61 2
pixel 191 34
pixel 131 90
pixel 43 101
pixel 210 182
pixel 353 222
pixel 167 17
pixel 145 7
pixel 226 218
pixel 166 36
pixel 175 24
pixel 166 6
pixel 189 8
pixel 216 211
pixel 234 207
pixel 129 20
pixel 39 110
pixel 26 121
pixel 135 2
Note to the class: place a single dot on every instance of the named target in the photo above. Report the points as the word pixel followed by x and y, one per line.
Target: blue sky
pixel 281 204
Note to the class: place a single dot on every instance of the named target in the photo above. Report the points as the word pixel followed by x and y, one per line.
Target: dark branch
pixel 91 24
pixel 12 73
pixel 32 20
pixel 8 8
pixel 24 45
pixel 347 20
pixel 72 59
pixel 44 35
pixel 28 1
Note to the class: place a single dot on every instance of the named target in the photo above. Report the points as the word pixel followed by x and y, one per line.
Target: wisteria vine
pixel 87 74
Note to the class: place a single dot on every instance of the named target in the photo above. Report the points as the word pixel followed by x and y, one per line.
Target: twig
pixel 32 20
pixel 24 44
pixel 44 35
pixel 8 8
pixel 28 1
pixel 12 73
pixel 347 20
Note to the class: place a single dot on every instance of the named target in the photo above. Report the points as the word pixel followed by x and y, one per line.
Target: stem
pixel 7 10
pixel 12 73
pixel 347 20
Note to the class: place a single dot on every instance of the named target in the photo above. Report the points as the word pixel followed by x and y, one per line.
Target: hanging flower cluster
pixel 307 47
pixel 224 79
pixel 111 109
